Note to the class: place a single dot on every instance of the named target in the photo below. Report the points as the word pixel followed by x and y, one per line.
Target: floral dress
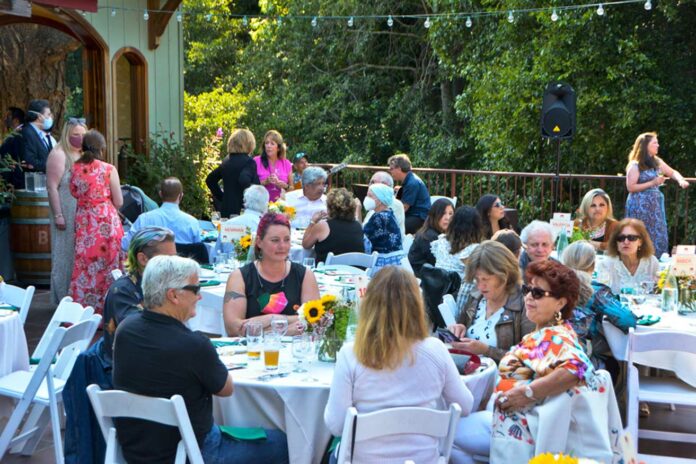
pixel 98 234
pixel 538 354
pixel 649 207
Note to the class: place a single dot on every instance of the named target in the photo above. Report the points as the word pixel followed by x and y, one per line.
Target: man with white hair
pixel 381 177
pixel 156 355
pixel 539 240
pixel 255 206
pixel 310 199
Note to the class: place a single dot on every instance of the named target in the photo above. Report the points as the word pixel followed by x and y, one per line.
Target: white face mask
pixel 369 203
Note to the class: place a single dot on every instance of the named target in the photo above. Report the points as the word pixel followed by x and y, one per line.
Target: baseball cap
pixel 299 156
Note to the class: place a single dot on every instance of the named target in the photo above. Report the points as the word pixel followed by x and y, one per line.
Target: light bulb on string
pixel 390 21
pixel 600 10
pixel 245 21
pixel 84 13
pixel 468 21
pixel 314 21
pixel 179 17
pixel 511 17
pixel 113 12
pixel 554 16
pixel 351 21
pixel 146 15
pixel 648 5
pixel 427 23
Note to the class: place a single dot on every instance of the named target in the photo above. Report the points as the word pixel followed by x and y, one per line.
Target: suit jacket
pixel 35 151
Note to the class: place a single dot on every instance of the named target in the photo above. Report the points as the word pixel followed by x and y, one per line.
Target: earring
pixel 558 317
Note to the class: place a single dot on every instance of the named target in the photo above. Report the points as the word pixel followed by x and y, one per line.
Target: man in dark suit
pixel 36 135
pixel 12 146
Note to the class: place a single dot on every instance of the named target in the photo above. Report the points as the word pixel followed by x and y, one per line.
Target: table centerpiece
pixel 327 318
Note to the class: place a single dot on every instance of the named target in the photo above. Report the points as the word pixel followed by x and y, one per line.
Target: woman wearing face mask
pixel 58 168
pixel 381 231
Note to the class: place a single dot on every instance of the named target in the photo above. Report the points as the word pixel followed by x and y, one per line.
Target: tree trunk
pixel 32 64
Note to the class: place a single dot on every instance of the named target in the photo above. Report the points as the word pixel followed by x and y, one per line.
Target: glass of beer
pixel 271 352
pixel 254 339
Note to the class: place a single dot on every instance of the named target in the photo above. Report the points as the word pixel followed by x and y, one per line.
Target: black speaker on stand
pixel 558 123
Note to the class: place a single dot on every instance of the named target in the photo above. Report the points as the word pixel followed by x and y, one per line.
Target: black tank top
pixel 270 296
pixel 344 237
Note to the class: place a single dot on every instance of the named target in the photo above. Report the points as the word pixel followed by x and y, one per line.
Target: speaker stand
pixel 557 177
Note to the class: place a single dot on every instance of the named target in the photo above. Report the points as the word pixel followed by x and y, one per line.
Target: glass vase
pixel 329 345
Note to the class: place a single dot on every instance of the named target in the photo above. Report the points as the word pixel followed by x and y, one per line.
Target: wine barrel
pixel 30 237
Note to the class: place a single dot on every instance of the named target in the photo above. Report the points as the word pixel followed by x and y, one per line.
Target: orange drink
pixel 270 358
pixel 254 354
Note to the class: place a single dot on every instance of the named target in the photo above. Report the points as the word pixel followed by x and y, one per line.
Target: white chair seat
pixel 15 384
pixel 655 390
pixel 654 459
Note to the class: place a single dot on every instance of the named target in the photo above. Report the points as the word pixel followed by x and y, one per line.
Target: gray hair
pixel 256 198
pixel 383 178
pixel 579 255
pixel 537 226
pixel 313 174
pixel 165 272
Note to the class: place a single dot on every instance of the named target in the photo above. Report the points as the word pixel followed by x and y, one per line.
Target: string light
pixel 426 24
pixel 146 15
pixel 600 10
pixel 511 18
pixel 351 21
pixel 648 5
pixel 554 16
pixel 314 21
pixel 113 12
pixel 390 21
pixel 468 22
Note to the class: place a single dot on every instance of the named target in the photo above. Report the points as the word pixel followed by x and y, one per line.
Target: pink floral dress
pixel 98 234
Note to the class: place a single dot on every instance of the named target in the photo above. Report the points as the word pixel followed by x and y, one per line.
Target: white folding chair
pixel 448 309
pixel 434 198
pixel 395 421
pixel 42 388
pixel 116 274
pixel 67 312
pixel 19 297
pixel 663 345
pixel 408 241
pixel 353 259
pixel 118 403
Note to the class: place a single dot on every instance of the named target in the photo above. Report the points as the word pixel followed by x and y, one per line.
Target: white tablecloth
pixel 14 355
pixel 297 407
pixel 682 364
pixel 297 253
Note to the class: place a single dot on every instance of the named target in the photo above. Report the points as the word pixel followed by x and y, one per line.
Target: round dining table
pixel 294 402
pixel 14 355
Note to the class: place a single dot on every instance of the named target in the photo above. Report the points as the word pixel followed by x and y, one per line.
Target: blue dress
pixel 649 207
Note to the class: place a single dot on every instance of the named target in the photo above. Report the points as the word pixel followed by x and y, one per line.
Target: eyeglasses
pixel 630 237
pixel 195 289
pixel 498 204
pixel 82 121
pixel 537 293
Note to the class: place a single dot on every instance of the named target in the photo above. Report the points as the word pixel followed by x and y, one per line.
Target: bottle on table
pixel 670 293
pixel 562 242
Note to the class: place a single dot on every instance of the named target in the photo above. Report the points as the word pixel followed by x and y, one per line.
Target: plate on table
pixel 206 274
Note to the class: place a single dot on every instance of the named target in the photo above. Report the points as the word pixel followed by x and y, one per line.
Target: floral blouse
pixel 542 352
pixel 612 272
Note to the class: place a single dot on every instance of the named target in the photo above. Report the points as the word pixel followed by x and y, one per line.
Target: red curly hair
pixel 562 280
pixel 268 220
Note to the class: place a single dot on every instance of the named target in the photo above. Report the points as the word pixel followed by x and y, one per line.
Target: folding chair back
pixel 25 389
pixel 667 350
pixel 448 309
pixel 68 312
pixel 19 297
pixel 118 403
pixel 395 421
pixel 353 259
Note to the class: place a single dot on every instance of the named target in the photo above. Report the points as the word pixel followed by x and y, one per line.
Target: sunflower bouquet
pixel 550 458
pixel 241 247
pixel 280 207
pixel 327 318
pixel 579 234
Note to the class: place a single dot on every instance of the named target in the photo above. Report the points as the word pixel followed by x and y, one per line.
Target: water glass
pixel 302 348
pixel 624 295
pixel 254 339
pixel 648 286
pixel 220 259
pixel 279 325
pixel 271 352
pixel 308 263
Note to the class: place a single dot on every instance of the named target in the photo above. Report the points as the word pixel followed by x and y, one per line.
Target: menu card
pixel 561 220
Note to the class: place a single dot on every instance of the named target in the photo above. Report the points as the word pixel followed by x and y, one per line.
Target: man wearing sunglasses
pixel 155 354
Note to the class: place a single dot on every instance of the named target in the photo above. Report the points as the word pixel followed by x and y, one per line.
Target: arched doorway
pixel 94 58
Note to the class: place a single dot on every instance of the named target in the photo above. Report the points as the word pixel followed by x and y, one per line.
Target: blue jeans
pixel 222 449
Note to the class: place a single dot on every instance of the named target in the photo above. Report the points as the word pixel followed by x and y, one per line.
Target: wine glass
pixel 301 349
pixel 279 325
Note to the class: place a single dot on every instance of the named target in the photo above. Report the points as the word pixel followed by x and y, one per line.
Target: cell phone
pixel 446 336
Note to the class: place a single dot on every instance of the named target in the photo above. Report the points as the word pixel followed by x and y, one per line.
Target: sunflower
pixel 245 241
pixel 328 299
pixel 548 458
pixel 313 311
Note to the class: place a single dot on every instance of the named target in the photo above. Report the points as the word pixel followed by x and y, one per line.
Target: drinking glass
pixel 271 352
pixel 279 325
pixel 648 286
pixel 254 338
pixel 301 349
pixel 219 268
pixel 308 263
pixel 625 295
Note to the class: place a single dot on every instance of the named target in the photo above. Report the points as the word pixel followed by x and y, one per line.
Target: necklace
pixel 261 283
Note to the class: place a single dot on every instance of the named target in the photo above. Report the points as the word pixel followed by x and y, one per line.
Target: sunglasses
pixel 195 289
pixel 630 237
pixel 82 121
pixel 498 204
pixel 537 293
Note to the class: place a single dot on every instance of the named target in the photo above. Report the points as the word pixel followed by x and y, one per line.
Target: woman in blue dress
pixel 645 173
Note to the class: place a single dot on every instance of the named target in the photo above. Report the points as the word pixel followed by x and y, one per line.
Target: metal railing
pixel 532 193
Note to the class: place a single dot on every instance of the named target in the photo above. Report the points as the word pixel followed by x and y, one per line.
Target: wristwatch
pixel 529 393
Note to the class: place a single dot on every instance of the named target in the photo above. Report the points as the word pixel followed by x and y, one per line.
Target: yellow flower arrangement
pixel 280 207
pixel 241 247
pixel 313 311
pixel 548 458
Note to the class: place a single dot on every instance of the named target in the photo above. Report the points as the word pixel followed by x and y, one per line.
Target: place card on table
pixel 685 250
pixel 231 232
pixel 684 265
pixel 561 220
